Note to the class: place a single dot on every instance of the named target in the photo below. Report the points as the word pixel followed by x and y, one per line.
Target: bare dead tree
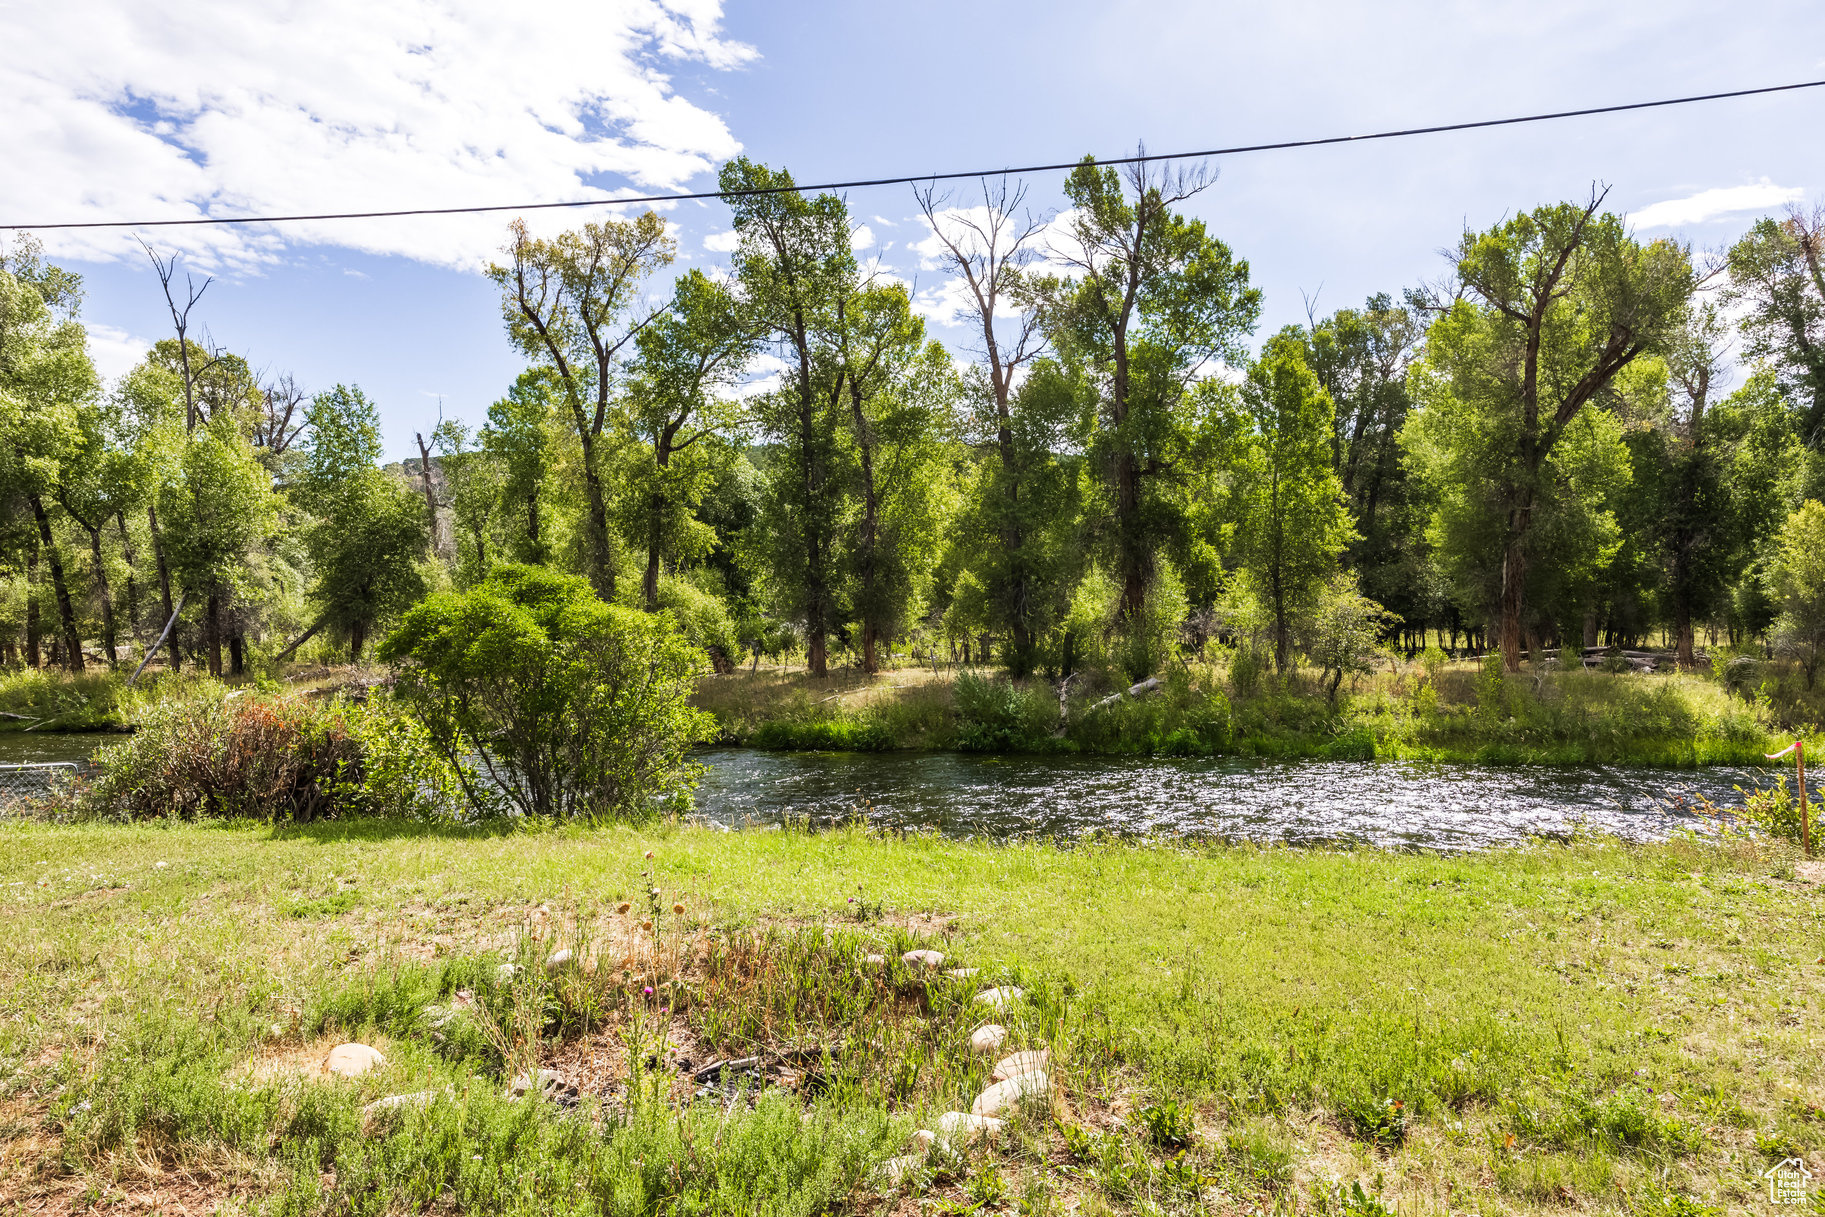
pixel 166 269
pixel 989 251
pixel 281 417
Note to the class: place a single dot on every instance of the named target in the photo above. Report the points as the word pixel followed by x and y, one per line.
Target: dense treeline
pixel 1578 438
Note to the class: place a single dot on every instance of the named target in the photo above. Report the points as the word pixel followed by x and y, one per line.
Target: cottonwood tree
pixel 1292 523
pixel 1796 580
pixel 901 396
pixel 369 532
pixel 675 412
pixel 792 263
pixel 1557 302
pixel 474 483
pixel 217 507
pixel 46 380
pixel 573 304
pixel 1152 302
pixel 519 436
pixel 1777 278
pixel 1361 357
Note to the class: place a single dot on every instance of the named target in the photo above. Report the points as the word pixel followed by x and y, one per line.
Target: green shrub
pixel 575 707
pixel 1776 811
pixel 997 715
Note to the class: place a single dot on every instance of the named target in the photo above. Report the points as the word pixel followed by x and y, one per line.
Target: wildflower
pixel 679 909
pixel 649 853
pixel 623 906
pixel 646 925
pixel 648 991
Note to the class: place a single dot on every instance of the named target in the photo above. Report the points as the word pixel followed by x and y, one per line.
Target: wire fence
pixel 23 786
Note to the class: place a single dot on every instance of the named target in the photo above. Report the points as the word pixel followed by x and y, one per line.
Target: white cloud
pixel 765 373
pixel 114 350
pixel 862 237
pixel 722 242
pixel 1714 204
pixel 119 110
pixel 884 222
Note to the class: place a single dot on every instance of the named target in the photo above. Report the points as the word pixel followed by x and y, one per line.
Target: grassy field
pixel 1592 1027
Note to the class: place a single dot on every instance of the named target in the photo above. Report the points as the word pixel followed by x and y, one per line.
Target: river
pixel 1395 804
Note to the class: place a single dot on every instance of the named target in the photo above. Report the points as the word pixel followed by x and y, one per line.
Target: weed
pixel 1169 1124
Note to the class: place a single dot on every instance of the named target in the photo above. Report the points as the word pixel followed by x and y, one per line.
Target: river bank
pixel 1599 1025
pixel 1460 712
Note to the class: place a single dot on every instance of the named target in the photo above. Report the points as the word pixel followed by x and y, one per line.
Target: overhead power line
pixel 917 178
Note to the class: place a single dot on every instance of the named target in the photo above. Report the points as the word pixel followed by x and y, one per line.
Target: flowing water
pixel 1388 803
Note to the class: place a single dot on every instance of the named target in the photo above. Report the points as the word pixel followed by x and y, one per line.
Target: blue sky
pixel 334 105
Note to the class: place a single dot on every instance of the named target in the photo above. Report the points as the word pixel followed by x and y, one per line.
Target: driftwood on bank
pixel 1135 690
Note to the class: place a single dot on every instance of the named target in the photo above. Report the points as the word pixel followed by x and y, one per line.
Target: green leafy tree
pixel 520 436
pixel 46 383
pixel 1292 523
pixel 1154 300
pixel 1796 581
pixel 677 413
pixel 1554 304
pixel 901 396
pixel 475 482
pixel 1777 279
pixel 217 507
pixel 369 530
pixel 1361 357
pixel 1344 635
pixel 793 263
pixel 572 304
pixel 573 706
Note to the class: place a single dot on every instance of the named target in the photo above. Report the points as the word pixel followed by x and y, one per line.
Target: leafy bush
pixel 995 715
pixel 267 758
pixel 573 706
pixel 1776 811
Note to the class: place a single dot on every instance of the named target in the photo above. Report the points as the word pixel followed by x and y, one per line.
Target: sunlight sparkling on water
pixel 1386 803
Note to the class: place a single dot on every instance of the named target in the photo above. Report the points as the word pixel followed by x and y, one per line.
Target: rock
pixel 963 1128
pixel 557 961
pixel 1004 1095
pixel 1021 1062
pixel 987 1038
pixel 896 1169
pixel 923 959
pixel 380 1109
pixel 549 1083
pixel 922 1140
pixel 875 961
pixel 1002 998
pixel 961 973
pixel 352 1060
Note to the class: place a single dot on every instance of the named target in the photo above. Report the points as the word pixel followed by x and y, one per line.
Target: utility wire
pixel 915 179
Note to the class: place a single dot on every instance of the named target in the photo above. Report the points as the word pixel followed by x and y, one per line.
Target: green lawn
pixel 1586 1027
